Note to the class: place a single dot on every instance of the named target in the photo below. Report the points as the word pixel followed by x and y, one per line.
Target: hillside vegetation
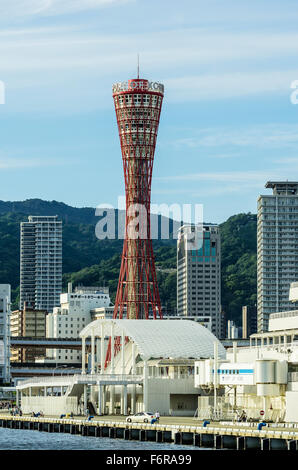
pixel 89 261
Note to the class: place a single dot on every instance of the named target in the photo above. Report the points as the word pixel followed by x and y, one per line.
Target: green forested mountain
pixel 89 261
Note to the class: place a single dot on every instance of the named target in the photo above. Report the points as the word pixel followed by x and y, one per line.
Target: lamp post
pixel 59 367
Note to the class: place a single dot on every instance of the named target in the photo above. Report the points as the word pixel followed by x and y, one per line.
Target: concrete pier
pixel 215 437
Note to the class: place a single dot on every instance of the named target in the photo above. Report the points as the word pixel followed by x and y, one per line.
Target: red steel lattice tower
pixel 137 104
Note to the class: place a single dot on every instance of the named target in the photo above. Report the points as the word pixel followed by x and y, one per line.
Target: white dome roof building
pixel 161 353
pixel 160 339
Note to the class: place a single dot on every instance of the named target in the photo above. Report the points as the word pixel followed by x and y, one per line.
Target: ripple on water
pixel 14 439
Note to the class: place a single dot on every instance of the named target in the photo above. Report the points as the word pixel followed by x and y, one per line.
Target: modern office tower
pixel 75 312
pixel 199 274
pixel 27 322
pixel 5 296
pixel 41 262
pixel 137 104
pixel 249 321
pixel 277 249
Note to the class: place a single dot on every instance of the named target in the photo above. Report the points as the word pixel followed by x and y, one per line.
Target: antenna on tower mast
pixel 138 66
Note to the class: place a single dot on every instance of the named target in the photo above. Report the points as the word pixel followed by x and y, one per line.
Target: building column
pixel 145 387
pixel 122 353
pixel 92 353
pixel 97 343
pixel 125 400
pixel 83 355
pixel 122 370
pixel 100 411
pixel 112 348
pixel 104 389
pixel 112 387
pixel 85 399
pixel 122 400
pixel 133 371
pixel 102 346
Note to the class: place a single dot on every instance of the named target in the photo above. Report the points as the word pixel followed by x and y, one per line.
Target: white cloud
pixel 249 178
pixel 269 136
pixel 67 62
pixel 229 85
pixel 27 8
pixel 14 164
pixel 233 176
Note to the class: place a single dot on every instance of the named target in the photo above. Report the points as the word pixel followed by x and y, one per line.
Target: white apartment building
pixel 199 274
pixel 41 262
pixel 5 297
pixel 277 249
pixel 75 312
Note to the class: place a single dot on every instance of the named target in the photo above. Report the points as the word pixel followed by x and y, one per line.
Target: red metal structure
pixel 138 104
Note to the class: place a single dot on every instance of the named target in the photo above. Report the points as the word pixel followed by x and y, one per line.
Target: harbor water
pixel 14 439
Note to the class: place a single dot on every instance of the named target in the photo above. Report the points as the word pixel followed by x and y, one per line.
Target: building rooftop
pixel 174 339
pixel 281 187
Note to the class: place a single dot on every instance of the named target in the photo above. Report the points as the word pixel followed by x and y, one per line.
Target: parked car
pixel 143 417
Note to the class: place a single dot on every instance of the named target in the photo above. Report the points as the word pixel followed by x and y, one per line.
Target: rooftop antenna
pixel 138 66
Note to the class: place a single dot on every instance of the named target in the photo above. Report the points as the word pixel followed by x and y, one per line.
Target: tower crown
pixel 138 85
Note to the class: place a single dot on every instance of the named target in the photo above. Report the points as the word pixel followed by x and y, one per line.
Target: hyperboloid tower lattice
pixel 138 105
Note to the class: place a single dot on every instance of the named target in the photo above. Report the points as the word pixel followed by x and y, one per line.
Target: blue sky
pixel 227 123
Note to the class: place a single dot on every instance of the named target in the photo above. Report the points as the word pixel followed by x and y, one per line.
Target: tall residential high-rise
pixel 277 240
pixel 199 274
pixel 137 104
pixel 41 262
pixel 5 297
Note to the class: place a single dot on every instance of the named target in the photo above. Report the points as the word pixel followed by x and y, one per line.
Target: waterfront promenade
pixel 177 430
pixel 175 421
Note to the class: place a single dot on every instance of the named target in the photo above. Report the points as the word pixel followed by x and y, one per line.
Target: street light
pixel 58 367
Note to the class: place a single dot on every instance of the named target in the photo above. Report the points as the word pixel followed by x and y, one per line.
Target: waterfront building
pixel 261 379
pixel 152 369
pixel 199 274
pixel 31 323
pixel 41 262
pixel 76 310
pixel 277 239
pixel 5 300
pixel 249 320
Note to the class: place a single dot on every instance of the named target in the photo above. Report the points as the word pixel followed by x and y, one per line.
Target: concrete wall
pixel 291 407
pixel 284 323
pixel 160 391
pixel 53 406
pixel 183 405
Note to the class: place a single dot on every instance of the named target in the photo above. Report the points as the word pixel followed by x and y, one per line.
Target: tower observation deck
pixel 138 105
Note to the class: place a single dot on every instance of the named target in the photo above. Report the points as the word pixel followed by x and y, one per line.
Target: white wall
pixel 291 407
pixel 52 406
pixel 159 391
pixel 283 323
